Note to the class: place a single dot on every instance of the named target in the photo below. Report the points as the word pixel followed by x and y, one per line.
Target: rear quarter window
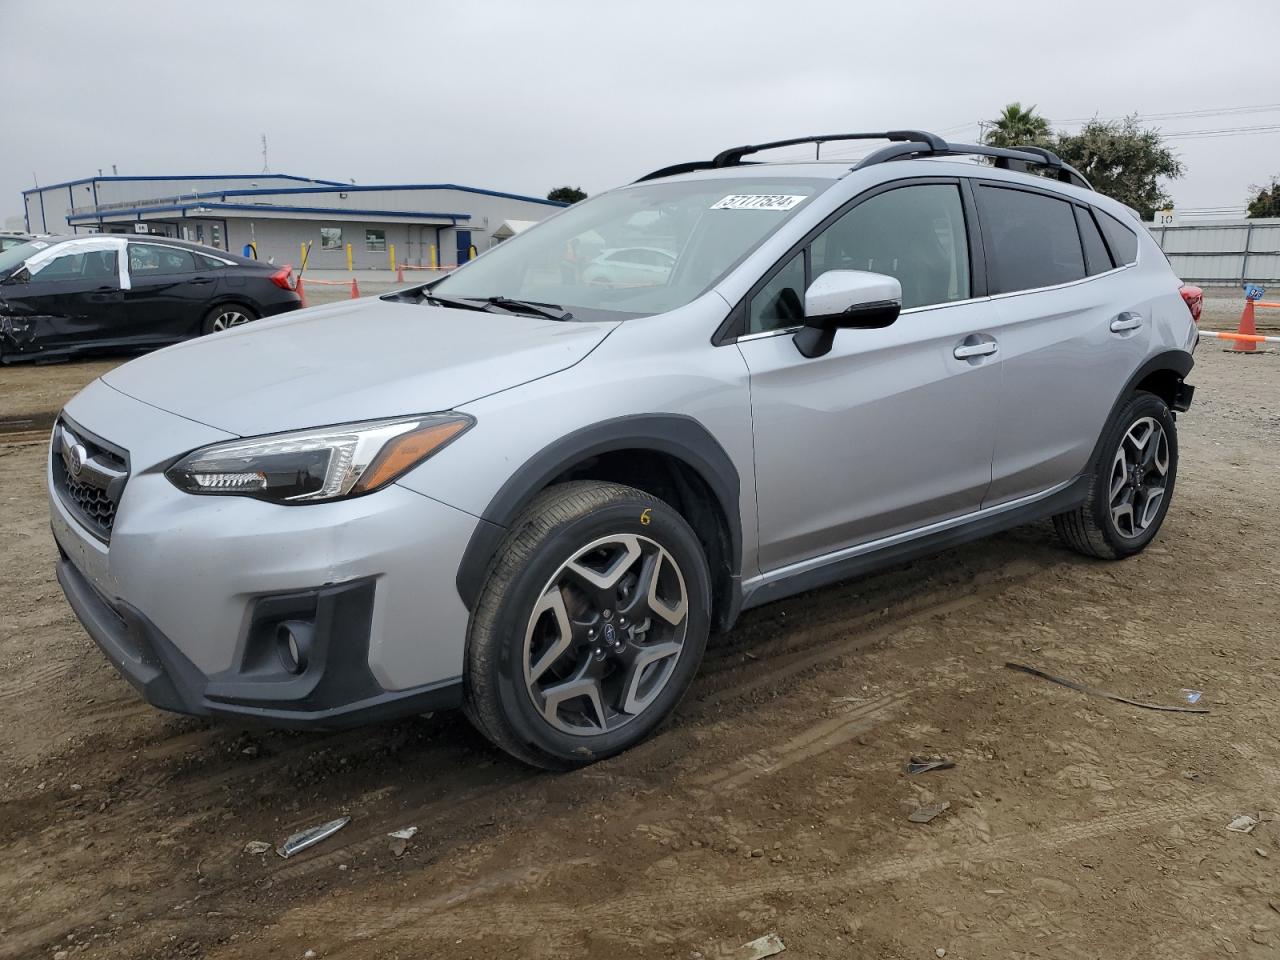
pixel 1031 239
pixel 1096 257
pixel 1122 241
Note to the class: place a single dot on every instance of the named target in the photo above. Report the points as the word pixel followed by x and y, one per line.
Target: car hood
pixel 357 360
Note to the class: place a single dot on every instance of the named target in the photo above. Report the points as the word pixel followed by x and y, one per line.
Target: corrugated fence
pixel 1223 251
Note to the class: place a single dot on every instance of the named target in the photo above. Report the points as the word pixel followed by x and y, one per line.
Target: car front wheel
pixel 1132 484
pixel 590 627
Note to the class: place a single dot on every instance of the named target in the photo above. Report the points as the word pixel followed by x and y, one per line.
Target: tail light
pixel 284 278
pixel 1194 299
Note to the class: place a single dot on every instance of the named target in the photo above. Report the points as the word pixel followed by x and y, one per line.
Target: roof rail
pixel 904 145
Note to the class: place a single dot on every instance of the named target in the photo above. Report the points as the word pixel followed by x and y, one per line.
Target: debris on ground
pixel 1243 824
pixel 1085 688
pixel 257 846
pixel 925 764
pixel 305 839
pixel 1192 696
pixel 929 811
pixel 762 947
pixel 404 833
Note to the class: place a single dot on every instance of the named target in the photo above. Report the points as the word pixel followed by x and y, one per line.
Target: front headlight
pixel 327 463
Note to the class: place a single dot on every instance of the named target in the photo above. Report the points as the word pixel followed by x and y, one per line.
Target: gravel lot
pixel 776 802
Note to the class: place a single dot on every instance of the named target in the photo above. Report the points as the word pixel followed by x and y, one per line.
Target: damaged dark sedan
pixel 61 296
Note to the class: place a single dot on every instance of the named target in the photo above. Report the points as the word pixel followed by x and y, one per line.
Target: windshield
pixel 642 249
pixel 14 256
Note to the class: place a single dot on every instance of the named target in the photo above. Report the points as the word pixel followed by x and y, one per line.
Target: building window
pixel 215 235
pixel 375 240
pixel 330 238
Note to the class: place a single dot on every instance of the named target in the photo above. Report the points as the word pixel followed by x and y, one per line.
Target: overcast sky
pixel 524 96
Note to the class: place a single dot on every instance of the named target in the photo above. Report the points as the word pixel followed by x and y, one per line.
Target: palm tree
pixel 1017 127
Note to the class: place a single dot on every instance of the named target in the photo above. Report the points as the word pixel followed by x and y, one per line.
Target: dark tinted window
pixel 1031 240
pixel 1096 258
pixel 153 260
pixel 208 263
pixel 93 265
pixel 1122 241
pixel 915 234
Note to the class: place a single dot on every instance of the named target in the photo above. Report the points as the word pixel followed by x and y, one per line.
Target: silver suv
pixel 533 494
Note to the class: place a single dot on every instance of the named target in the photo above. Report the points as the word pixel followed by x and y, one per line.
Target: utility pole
pixel 266 168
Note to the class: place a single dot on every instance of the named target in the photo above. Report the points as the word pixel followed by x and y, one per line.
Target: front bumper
pixel 178 596
pixel 334 689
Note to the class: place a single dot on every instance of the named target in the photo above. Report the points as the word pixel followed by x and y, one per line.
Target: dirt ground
pixel 774 802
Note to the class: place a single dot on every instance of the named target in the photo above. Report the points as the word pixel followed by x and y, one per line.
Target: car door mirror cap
pixel 846 299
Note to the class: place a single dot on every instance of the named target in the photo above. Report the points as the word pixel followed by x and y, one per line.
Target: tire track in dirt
pixel 464 913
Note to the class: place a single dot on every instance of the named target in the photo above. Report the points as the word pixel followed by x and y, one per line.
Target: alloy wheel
pixel 228 319
pixel 605 635
pixel 1139 477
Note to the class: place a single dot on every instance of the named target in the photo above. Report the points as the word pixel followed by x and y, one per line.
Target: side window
pixel 1031 239
pixel 780 303
pixel 1122 241
pixel 1096 258
pixel 97 265
pixel 208 263
pixel 152 260
pixel 916 234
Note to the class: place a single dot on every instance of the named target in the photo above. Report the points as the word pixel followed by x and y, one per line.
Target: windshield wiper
pixel 459 304
pixel 552 311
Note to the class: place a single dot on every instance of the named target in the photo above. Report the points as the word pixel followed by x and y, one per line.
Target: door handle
pixel 967 351
pixel 202 280
pixel 1126 321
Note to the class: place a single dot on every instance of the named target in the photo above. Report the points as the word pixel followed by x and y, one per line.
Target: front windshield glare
pixel 14 256
pixel 642 249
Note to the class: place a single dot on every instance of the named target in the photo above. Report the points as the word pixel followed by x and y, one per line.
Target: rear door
pixel 72 297
pixel 1071 327
pixel 169 293
pixel 890 431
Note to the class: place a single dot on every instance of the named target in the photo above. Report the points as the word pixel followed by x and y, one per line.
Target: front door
pixel 464 246
pixel 71 296
pixel 890 431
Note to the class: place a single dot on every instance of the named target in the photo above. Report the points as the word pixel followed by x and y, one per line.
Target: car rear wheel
pixel 590 627
pixel 1132 485
pixel 228 315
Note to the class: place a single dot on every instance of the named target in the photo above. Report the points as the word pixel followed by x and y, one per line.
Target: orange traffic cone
pixel 302 293
pixel 355 289
pixel 399 273
pixel 1248 328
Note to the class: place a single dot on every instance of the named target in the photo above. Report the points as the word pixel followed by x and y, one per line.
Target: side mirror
pixel 846 298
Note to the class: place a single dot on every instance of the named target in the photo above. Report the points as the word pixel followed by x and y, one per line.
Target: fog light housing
pixel 293 644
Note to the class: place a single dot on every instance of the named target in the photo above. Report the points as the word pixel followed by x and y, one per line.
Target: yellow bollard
pixel 391 256
pixel 302 252
pixel 348 258
pixel 472 253
pixel 433 257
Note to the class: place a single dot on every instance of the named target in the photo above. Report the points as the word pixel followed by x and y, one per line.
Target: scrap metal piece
pixel 929 811
pixel 925 764
pixel 305 839
pixel 767 946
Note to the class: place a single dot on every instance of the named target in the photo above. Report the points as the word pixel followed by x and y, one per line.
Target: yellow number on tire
pixel 646 516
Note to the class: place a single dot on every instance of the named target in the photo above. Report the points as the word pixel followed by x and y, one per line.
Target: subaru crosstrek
pixel 532 495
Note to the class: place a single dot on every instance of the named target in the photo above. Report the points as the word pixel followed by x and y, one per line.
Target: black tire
pixel 207 325
pixel 1092 529
pixel 561 522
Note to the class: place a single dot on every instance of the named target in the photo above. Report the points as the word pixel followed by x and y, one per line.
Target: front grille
pixel 89 475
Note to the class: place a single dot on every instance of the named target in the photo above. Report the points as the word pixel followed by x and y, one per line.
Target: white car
pixel 630 266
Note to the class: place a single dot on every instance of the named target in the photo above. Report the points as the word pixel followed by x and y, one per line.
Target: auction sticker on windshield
pixel 757 201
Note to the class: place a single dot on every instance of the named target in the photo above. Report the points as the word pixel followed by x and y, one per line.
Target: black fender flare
pixel 676 435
